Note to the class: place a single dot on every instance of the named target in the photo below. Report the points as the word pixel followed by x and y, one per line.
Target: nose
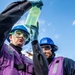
pixel 43 50
pixel 21 35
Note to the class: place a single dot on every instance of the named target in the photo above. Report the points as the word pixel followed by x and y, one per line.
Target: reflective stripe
pixel 55 68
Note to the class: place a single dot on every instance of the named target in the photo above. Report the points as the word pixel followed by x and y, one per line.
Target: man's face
pixel 18 38
pixel 47 50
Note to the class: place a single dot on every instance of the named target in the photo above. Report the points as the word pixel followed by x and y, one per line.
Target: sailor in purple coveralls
pixel 57 65
pixel 12 62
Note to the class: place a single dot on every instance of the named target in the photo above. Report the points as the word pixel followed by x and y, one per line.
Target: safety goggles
pixel 46 47
pixel 20 33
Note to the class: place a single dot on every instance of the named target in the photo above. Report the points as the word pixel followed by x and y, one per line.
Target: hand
pixel 34 32
pixel 37 3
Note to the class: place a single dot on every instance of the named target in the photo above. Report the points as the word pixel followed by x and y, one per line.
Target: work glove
pixel 37 3
pixel 34 32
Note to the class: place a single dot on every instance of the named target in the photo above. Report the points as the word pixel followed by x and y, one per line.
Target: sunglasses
pixel 19 33
pixel 47 47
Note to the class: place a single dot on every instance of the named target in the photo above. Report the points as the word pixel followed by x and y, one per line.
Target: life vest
pixel 7 60
pixel 56 66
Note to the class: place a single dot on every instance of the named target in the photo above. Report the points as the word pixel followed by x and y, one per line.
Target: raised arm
pixel 10 16
pixel 39 59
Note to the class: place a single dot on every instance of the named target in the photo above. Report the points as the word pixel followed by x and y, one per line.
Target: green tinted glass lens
pixel 19 33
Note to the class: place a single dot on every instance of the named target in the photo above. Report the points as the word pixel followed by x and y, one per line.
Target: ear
pixel 10 37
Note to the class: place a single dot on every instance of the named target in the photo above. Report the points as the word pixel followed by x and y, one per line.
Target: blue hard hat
pixel 48 41
pixel 20 27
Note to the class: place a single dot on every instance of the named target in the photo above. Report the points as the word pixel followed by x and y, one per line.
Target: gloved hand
pixel 34 32
pixel 37 3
